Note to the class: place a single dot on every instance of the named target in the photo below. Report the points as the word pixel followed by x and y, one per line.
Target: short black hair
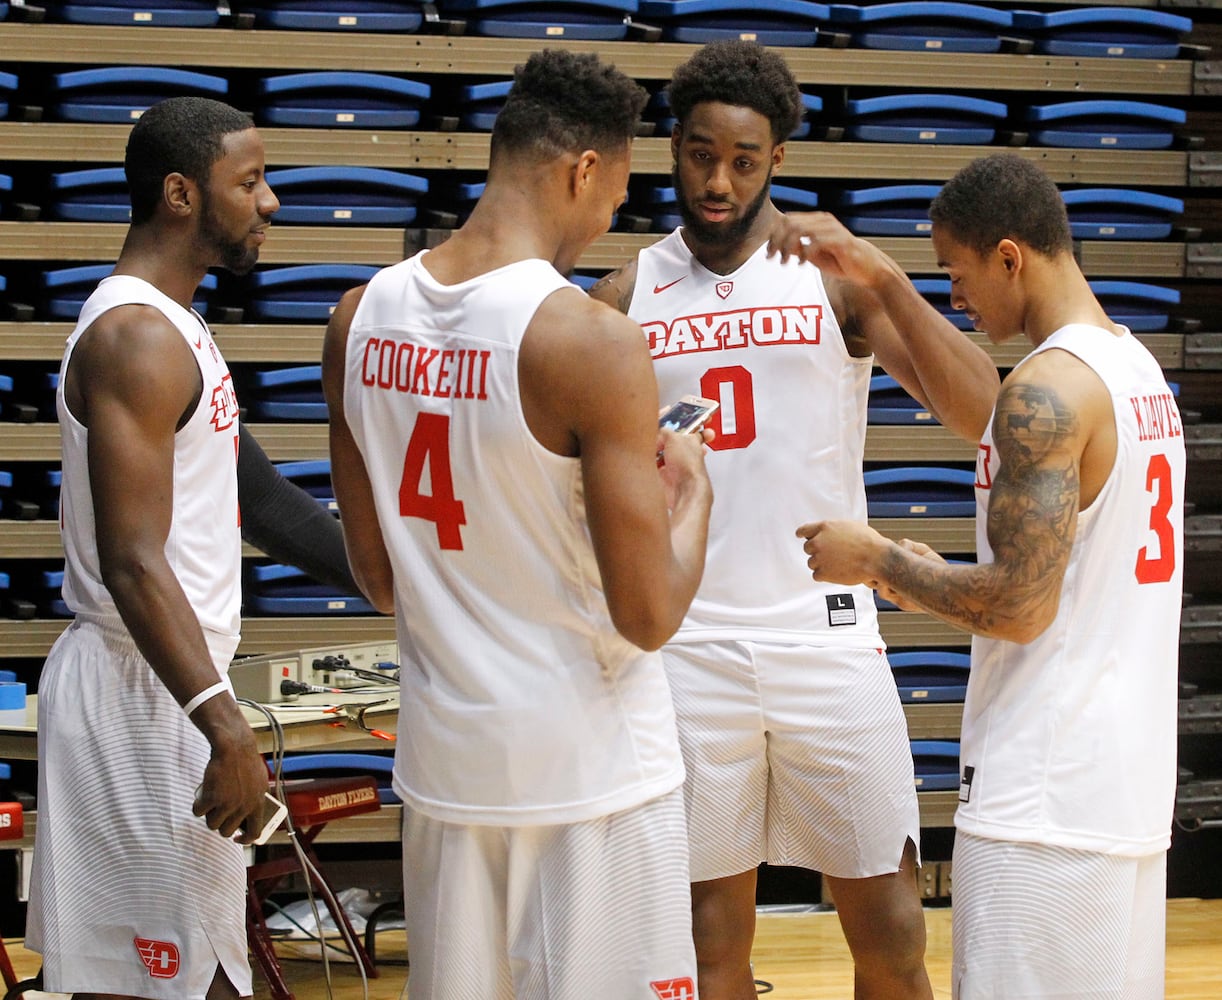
pixel 178 135
pixel 564 102
pixel 1003 196
pixel 744 74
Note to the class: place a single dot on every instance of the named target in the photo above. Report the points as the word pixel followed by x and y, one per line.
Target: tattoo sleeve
pixel 614 289
pixel 1032 516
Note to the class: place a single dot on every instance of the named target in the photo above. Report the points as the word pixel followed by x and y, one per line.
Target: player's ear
pixel 179 193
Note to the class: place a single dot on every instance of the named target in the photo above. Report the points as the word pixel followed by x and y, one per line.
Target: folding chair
pixel 924 118
pixel 340 100
pixel 273 589
pixel 769 22
pixel 930 675
pixel 341 785
pixel 589 20
pixel 352 196
pixel 889 210
pixel 158 14
pixel 931 26
pixel 920 491
pixel 1107 124
pixel 287 394
pixel 94 195
pixel 1120 214
pixel 1104 32
pixel 304 292
pixel 936 764
pixel 65 290
pixel 8 87
pixel 123 93
pixel 401 16
pixel 1142 308
pixel 889 403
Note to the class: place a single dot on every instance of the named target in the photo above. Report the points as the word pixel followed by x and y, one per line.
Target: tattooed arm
pixel 1049 412
pixel 616 288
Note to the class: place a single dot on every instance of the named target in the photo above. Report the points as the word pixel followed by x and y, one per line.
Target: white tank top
pixel 1070 740
pixel 204 546
pixel 764 342
pixel 520 702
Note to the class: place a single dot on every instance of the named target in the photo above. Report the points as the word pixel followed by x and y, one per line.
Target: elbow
pixel 646 631
pixel 1024 631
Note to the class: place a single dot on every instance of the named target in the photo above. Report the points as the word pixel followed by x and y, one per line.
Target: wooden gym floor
pixel 803 956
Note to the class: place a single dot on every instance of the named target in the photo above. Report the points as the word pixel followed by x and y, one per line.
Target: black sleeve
pixel 287 523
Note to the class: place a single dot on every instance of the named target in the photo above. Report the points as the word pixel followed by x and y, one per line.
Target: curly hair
pixel 740 73
pixel 1003 196
pixel 563 102
pixel 182 135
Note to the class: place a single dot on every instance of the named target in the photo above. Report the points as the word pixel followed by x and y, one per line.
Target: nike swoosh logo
pixel 662 288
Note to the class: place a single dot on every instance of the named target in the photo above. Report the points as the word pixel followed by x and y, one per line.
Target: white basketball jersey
pixel 204 546
pixel 521 704
pixel 1070 740
pixel 764 342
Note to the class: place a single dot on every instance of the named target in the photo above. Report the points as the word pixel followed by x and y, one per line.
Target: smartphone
pixel 274 819
pixel 689 414
pixel 279 811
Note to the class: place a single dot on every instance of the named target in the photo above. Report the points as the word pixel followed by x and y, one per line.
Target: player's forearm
pixel 959 379
pixel 985 600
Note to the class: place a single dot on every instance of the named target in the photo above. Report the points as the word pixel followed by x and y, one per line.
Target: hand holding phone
pixel 688 415
pixel 278 811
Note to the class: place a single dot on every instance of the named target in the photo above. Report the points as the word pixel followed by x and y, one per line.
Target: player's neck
pixel 164 263
pixel 725 258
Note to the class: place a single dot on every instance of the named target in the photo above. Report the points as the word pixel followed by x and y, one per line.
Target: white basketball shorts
pixel 1031 920
pixel 598 908
pixel 795 755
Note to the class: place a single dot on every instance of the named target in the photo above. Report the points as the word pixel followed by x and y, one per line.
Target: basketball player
pixel 1069 730
pixel 793 735
pixel 138 887
pixel 494 439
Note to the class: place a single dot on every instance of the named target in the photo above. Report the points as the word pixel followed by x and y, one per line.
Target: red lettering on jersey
pixel 984 478
pixel 721 331
pixel 425 371
pixel 159 957
pixel 674 989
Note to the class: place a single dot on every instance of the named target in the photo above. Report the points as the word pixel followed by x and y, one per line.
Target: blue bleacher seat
pixel 123 93
pixel 769 22
pixel 95 195
pixel 141 13
pixel 1115 32
pixel 286 590
pixel 480 103
pixel 889 403
pixel 936 291
pixel 341 99
pixel 1120 214
pixel 6 188
pixel 812 105
pixel 402 16
pixel 304 292
pixel 889 210
pixel 66 289
pixel 8 87
pixel 919 491
pixel 50 602
pixel 287 394
pixel 52 480
pixel 930 675
pixel 1104 123
pixel 357 196
pixel 936 763
pixel 6 393
pixel 788 198
pixel 314 477
pixel 590 20
pixel 1140 307
pixel 931 25
pixel 924 118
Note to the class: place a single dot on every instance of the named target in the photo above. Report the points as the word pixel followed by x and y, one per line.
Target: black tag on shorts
pixel 841 610
pixel 965 784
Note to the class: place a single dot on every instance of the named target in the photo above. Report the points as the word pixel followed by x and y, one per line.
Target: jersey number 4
pixel 429 449
pixel 1158 483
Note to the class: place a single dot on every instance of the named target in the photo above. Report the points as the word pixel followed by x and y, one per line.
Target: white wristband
pixel 220 687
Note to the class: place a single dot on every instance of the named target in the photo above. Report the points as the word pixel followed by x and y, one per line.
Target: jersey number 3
pixel 429 448
pixel 1158 483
